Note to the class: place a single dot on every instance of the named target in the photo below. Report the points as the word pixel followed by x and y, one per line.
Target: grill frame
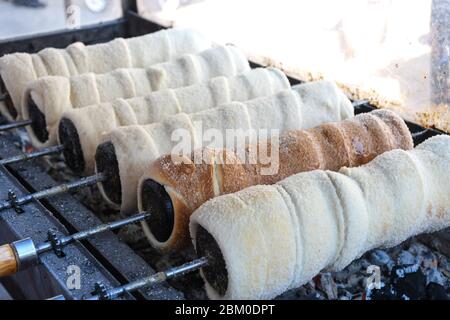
pixel 109 259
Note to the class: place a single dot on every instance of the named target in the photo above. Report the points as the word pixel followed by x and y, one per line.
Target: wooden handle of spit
pixel 8 261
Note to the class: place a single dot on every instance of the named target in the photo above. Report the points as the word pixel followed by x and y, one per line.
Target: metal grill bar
pixel 14 125
pixel 14 202
pixel 32 155
pixel 159 277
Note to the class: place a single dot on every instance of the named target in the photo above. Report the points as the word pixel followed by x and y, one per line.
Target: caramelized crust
pixel 330 146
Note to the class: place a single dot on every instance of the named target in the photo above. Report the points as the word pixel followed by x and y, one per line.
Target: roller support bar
pixel 101 293
pixel 15 202
pixel 32 155
pixel 15 124
pixel 23 253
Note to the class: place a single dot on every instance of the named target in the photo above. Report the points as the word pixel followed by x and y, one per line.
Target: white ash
pixel 351 282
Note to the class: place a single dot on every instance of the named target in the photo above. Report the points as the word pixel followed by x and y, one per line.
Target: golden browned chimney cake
pixel 183 186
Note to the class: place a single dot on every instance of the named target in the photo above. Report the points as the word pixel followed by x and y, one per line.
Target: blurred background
pixel 25 17
pixel 396 53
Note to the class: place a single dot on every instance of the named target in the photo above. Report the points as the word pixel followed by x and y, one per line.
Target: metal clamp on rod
pixel 32 155
pixel 15 202
pixel 102 293
pixel 22 254
pixel 12 198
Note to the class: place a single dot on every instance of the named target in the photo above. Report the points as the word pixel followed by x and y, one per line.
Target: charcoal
pixel 435 291
pixel 328 286
pixel 408 282
pixel 434 275
pixel 384 293
pixel 439 241
pixel 444 265
pixel 406 258
pixel 382 259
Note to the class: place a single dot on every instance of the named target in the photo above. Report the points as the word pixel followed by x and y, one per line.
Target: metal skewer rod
pixel 421 136
pixel 416 135
pixel 15 202
pixel 4 97
pixel 47 246
pixel 358 103
pixel 15 124
pixel 24 253
pixel 32 155
pixel 101 293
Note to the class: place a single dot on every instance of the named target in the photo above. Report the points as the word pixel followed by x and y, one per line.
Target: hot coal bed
pixel 419 268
